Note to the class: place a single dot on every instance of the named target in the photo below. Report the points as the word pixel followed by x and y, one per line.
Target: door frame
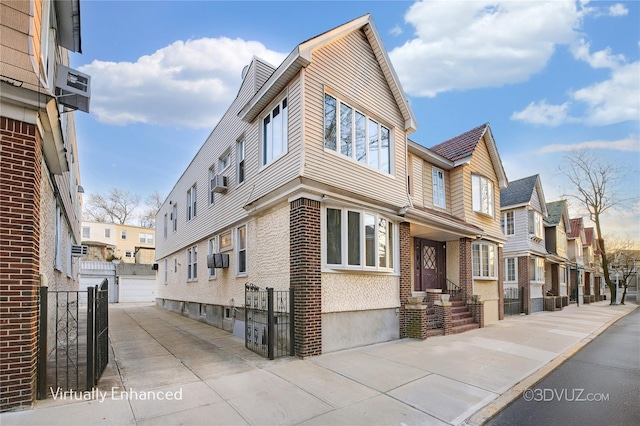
pixel 440 246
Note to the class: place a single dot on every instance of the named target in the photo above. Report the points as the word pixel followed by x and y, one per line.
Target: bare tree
pixel 624 261
pixel 595 183
pixel 153 202
pixel 117 207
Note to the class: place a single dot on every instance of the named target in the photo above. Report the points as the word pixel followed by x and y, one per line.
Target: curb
pixel 510 396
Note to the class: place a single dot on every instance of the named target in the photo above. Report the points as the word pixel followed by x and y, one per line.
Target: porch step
pixel 435 332
pixel 462 328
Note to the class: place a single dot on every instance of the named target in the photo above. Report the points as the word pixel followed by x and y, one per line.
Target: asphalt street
pixel 599 385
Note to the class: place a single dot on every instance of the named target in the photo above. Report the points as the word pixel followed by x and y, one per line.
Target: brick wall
pixel 523 282
pixel 405 276
pixel 305 276
pixel 20 180
pixel 466 269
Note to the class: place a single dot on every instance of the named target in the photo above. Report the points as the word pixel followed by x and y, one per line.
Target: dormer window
pixel 536 225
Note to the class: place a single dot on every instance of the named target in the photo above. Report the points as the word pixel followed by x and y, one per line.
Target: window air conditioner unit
pixel 218 260
pixel 79 251
pixel 219 183
pixel 74 88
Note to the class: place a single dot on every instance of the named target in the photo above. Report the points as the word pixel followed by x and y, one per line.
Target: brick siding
pixel 523 282
pixel 20 180
pixel 405 276
pixel 466 268
pixel 305 275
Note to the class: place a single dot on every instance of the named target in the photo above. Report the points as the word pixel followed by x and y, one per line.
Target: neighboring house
pixel 40 207
pixel 127 282
pixel 592 267
pixel 524 209
pixel 557 225
pixel 575 243
pixel 304 184
pixel 131 244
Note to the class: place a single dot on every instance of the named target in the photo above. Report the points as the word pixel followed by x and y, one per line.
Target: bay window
pixel 485 260
pixel 366 238
pixel 274 132
pixel 354 135
pixel 536 226
pixel 536 269
pixel 482 194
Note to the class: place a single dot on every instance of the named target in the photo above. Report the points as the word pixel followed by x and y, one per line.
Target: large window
pixel 358 239
pixel 536 225
pixel 437 176
pixel 536 269
pixel 242 250
pixel 510 271
pixel 191 202
pixel 508 223
pixel 353 134
pixel 240 160
pixel 274 133
pixel 192 263
pixel 485 260
pixel 86 232
pixel 482 193
pixel 146 238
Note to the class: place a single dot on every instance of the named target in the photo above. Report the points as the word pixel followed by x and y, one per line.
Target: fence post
pixel 292 325
pixel 42 343
pixel 270 327
pixel 91 295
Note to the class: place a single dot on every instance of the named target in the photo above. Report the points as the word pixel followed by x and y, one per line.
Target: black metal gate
pixel 513 301
pixel 268 317
pixel 80 339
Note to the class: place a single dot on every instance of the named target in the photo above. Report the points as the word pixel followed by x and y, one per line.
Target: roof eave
pixel 430 156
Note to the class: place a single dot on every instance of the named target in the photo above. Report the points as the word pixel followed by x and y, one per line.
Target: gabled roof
pixel 577 228
pixel 557 211
pixel 518 192
pixel 302 56
pixel 460 149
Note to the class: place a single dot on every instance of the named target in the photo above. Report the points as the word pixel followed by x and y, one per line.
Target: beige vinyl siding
pixel 481 164
pixel 561 235
pixel 416 179
pixel 427 187
pixel 357 79
pixel 460 194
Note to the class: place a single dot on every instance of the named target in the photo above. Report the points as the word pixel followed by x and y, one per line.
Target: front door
pixel 429 264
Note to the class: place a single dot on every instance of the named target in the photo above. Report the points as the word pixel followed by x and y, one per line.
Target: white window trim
pixel 57 261
pixel 515 270
pixel 192 263
pixel 538 224
pixel 211 199
pixel 368 118
pixel 562 276
pixel 241 158
pixel 245 250
pixel 230 246
pixel 211 249
pixel 493 272
pixel 224 165
pixel 539 273
pixel 434 175
pixel 192 198
pixel 491 193
pixel 165 229
pixel 505 226
pixel 166 271
pixel 345 266
pixel 174 218
pixel 264 163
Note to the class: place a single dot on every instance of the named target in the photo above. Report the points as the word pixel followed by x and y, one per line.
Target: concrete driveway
pixel 168 369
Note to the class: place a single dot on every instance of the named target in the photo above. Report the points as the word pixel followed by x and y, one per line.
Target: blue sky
pixel 549 76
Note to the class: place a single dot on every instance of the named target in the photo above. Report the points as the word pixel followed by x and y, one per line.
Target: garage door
pixel 137 289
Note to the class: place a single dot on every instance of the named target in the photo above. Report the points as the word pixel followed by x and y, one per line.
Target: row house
pixel 593 273
pixel 40 205
pixel 309 181
pixel 576 240
pixel 128 243
pixel 557 226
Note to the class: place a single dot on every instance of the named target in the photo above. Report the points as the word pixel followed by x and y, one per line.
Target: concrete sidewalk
pixel 206 376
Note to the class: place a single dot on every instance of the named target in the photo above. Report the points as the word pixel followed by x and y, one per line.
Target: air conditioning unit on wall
pixel 74 88
pixel 219 183
pixel 79 251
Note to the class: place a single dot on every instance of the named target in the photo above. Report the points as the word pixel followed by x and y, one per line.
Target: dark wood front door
pixel 429 264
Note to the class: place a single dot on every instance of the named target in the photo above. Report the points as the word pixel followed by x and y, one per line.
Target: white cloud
pixel 618 9
pixel 396 31
pixel 185 84
pixel 614 100
pixel 464 45
pixel 629 144
pixel 600 59
pixel 543 113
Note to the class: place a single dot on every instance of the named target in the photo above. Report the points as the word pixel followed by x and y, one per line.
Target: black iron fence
pixel 269 321
pixel 78 322
pixel 513 301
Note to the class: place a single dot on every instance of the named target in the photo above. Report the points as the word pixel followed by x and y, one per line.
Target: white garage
pixel 137 288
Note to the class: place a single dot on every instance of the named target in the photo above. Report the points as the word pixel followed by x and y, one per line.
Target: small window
pixel 482 194
pixel 123 234
pixel 224 161
pixel 191 202
pixel 510 269
pixel 536 269
pixel 485 260
pixel 508 223
pixel 203 310
pixel 225 241
pixel 175 266
pixel 166 271
pixel 227 313
pixel 146 238
pixel 107 233
pixel 174 217
pixel 240 160
pixel 536 225
pixel 242 250
pixel 129 254
pixel 274 133
pixel 212 250
pixel 166 225
pixel 212 184
pixel 438 188
pixel 86 232
pixel 192 263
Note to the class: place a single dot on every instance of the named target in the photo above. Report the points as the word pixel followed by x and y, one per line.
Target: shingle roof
pixel 462 145
pixel 576 227
pixel 588 236
pixel 518 192
pixel 554 211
